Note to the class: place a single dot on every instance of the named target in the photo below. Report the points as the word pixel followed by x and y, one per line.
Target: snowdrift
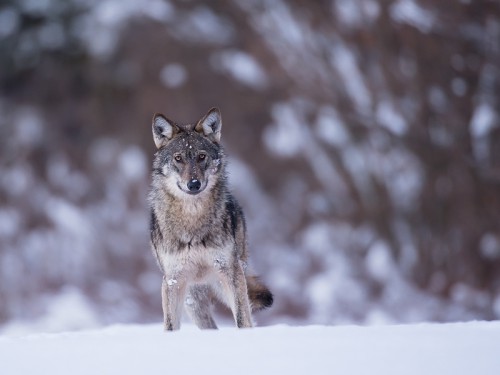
pixel 459 348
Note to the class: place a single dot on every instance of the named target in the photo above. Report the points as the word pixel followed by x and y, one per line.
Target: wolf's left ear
pixel 210 125
pixel 163 130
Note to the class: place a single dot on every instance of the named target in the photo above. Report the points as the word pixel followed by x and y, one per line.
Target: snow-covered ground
pixel 458 348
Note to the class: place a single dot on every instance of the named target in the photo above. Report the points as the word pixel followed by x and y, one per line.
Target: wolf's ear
pixel 210 125
pixel 163 130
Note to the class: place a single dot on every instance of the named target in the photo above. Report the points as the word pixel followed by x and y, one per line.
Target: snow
pixel 331 128
pixel 356 13
pixel 37 7
pixel 113 13
pixel 242 67
pixel 203 25
pixel 67 217
pixel 133 163
pixel 286 137
pixel 64 176
pixel 10 221
pixel 483 121
pixel 69 310
pixel 379 262
pixel 460 348
pixel 9 21
pixel 171 282
pixel 348 12
pixel 389 118
pixel 490 246
pixel 344 61
pixel 411 13
pixel 173 75
pixel 291 39
pixel 29 127
pixel 99 29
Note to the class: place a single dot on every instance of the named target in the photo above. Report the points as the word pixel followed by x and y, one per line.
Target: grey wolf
pixel 198 231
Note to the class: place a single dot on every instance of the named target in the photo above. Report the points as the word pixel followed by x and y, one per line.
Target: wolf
pixel 198 231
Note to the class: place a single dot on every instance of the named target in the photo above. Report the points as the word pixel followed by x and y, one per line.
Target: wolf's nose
pixel 194 185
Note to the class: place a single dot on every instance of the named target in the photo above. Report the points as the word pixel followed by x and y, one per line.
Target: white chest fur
pixel 195 264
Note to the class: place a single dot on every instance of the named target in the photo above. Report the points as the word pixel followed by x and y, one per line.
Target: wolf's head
pixel 189 157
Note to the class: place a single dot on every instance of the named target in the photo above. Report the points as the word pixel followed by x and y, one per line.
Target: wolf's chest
pixel 191 222
pixel 196 263
pixel 189 230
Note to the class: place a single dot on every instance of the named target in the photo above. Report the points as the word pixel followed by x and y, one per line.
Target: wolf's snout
pixel 194 185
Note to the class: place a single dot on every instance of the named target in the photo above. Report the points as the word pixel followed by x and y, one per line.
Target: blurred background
pixel 363 138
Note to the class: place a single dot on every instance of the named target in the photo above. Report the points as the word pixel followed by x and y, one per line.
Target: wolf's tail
pixel 260 296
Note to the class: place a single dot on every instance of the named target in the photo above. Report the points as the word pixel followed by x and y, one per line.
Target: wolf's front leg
pixel 236 294
pixel 173 291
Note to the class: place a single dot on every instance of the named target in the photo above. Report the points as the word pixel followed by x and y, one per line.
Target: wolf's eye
pixel 201 157
pixel 177 158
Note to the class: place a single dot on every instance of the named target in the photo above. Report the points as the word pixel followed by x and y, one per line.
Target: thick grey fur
pixel 199 237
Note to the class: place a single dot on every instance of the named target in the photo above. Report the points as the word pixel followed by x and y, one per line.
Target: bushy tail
pixel 260 296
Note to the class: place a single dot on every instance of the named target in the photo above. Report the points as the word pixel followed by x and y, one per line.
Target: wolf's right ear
pixel 163 130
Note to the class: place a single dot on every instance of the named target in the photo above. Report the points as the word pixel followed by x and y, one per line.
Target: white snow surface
pixel 453 348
